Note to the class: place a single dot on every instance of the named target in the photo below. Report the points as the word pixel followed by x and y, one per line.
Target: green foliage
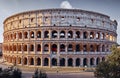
pixel 39 74
pixel 111 67
pixel 10 72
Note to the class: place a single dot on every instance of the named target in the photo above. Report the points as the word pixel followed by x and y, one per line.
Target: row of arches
pixel 55 62
pixel 58 47
pixel 62 34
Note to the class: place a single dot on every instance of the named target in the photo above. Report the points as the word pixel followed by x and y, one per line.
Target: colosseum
pixel 58 37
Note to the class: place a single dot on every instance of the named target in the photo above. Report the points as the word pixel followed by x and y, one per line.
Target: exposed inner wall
pixel 58 37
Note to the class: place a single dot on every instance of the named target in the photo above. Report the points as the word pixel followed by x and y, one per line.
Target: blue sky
pixel 108 7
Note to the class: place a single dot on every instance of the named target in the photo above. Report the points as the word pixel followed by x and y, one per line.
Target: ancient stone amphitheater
pixel 58 37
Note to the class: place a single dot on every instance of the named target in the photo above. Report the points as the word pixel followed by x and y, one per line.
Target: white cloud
pixel 66 4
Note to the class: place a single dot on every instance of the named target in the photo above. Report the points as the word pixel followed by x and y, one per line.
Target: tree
pixel 10 72
pixel 111 67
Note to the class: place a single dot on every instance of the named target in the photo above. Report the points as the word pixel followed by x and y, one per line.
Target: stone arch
pixel 77 47
pixel 46 34
pixel 38 47
pixel 20 35
pixel 25 47
pixel 46 47
pixel 70 62
pixel 62 48
pixel 25 34
pixel 19 60
pixel 91 35
pixel 32 34
pixel 85 62
pixel 25 61
pixel 54 34
pixel 103 48
pixel 85 48
pixel 78 62
pixel 92 61
pixel 91 48
pixel 54 48
pixel 46 61
pixel 38 34
pixel 31 47
pixel 70 48
pixel 77 34
pixel 62 34
pixel 70 34
pixel 97 60
pixel 62 62
pixel 54 62
pixel 38 60
pixel 85 35
pixel 31 61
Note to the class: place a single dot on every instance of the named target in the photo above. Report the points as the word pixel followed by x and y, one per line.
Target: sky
pixel 107 7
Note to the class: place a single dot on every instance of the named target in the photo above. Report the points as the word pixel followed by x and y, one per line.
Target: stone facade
pixel 58 37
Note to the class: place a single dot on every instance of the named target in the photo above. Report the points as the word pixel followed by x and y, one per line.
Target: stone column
pixel 66 61
pixel 81 63
pixel 49 62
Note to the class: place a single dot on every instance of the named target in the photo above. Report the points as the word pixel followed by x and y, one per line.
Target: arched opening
pixel 103 48
pixel 77 48
pixel 14 35
pixel 46 34
pixel 91 48
pixel 97 35
pixel 97 61
pixel 92 61
pixel 46 61
pixel 77 62
pixel 62 62
pixel 98 48
pixel 77 34
pixel 62 48
pixel 102 36
pixel 25 47
pixel 70 34
pixel 14 60
pixel 25 61
pixel 31 34
pixel 85 35
pixel 38 34
pixel 19 47
pixel 31 47
pixel 38 47
pixel 38 61
pixel 84 48
pixel 20 35
pixel 54 62
pixel 14 47
pixel 46 48
pixel 85 62
pixel 62 34
pixel 54 48
pixel 25 35
pixel 31 61
pixel 54 34
pixel 70 62
pixel 70 48
pixel 19 60
pixel 10 59
pixel 91 35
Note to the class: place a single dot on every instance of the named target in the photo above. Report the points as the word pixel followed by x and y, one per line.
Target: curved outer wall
pixel 58 37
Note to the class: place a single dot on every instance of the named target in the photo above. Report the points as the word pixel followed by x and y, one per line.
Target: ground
pixel 82 74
